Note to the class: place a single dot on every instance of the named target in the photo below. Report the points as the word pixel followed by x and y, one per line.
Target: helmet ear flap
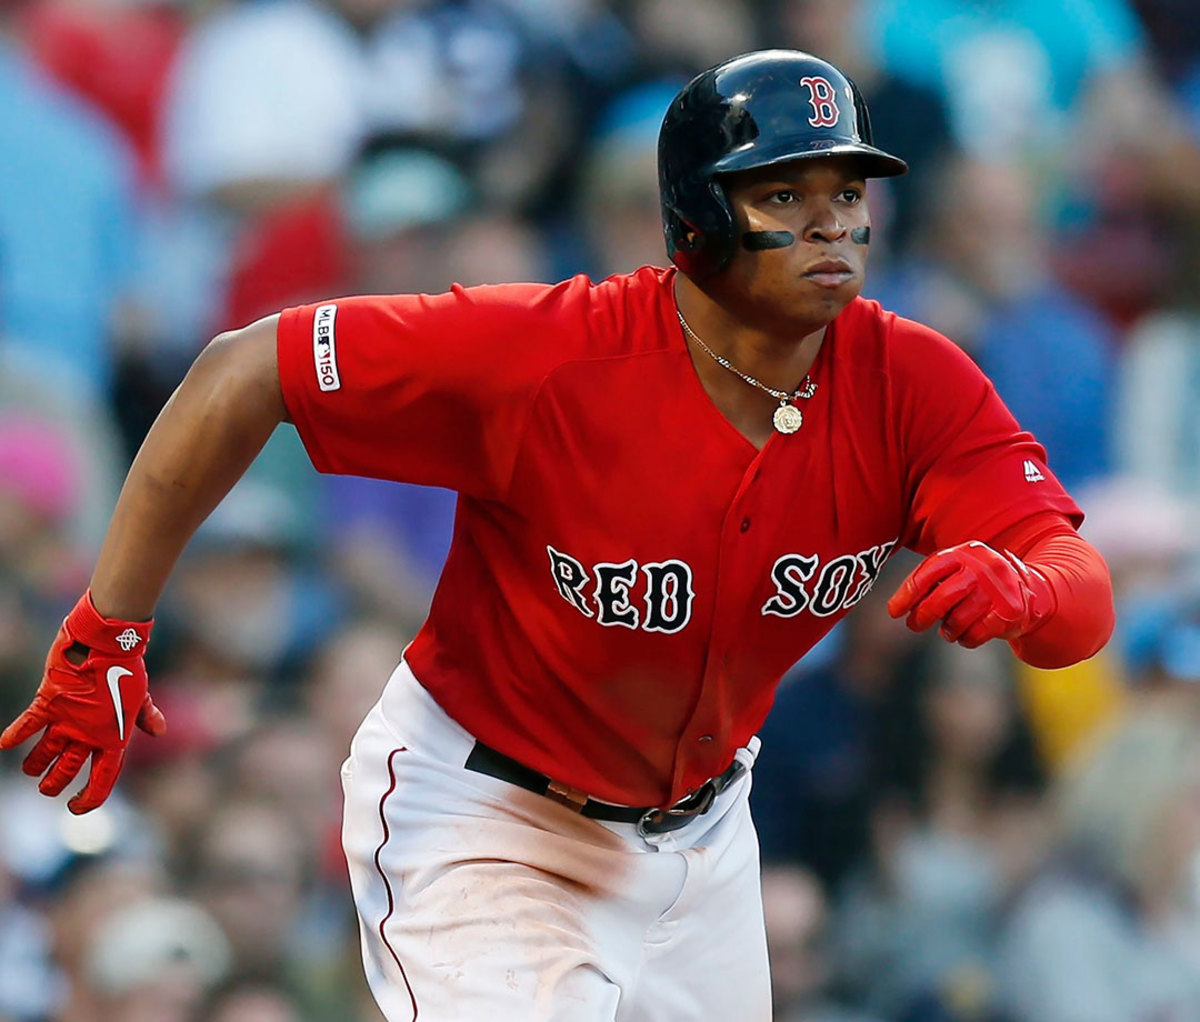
pixel 701 244
pixel 682 234
pixel 723 233
pixel 686 243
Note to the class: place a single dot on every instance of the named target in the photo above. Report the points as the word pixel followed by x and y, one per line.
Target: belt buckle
pixel 572 798
pixel 663 821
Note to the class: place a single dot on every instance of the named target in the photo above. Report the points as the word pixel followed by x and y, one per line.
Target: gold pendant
pixel 788 418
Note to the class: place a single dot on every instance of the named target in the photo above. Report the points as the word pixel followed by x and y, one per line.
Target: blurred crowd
pixel 947 836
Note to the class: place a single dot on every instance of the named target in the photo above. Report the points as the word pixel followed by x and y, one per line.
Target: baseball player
pixel 671 484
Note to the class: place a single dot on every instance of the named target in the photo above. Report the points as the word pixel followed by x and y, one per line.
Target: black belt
pixel 649 819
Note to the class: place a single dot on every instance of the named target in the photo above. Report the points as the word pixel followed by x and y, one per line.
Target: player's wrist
pixel 1041 600
pixel 114 637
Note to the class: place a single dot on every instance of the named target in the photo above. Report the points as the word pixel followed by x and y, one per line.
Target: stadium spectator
pixel 67 226
pixel 250 872
pixel 956 827
pixel 344 679
pixel 251 1002
pixel 1109 932
pixel 797 917
pixel 118 55
pixel 1158 436
pixel 153 960
pixel 619 181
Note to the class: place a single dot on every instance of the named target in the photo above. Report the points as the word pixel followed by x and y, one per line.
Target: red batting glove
pixel 87 709
pixel 976 593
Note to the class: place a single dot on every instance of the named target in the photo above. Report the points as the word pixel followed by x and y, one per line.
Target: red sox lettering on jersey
pixel 630 577
pixel 801 583
pixel 668 593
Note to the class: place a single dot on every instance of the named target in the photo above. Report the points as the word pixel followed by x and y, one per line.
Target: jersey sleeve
pixel 970 470
pixel 430 389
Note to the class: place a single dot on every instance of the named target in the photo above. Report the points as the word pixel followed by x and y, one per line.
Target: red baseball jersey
pixel 629 576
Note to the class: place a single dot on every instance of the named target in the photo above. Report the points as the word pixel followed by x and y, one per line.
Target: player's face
pixel 801 248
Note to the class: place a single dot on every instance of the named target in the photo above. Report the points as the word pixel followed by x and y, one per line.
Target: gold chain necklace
pixel 787 418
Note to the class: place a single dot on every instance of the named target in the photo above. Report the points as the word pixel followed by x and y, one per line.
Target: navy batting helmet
pixel 761 108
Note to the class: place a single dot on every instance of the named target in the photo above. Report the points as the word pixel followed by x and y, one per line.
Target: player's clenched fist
pixel 92 694
pixel 975 593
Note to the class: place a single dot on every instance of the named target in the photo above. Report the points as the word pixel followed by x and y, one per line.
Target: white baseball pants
pixel 479 901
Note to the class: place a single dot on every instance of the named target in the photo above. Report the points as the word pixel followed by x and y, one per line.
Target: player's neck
pixel 779 356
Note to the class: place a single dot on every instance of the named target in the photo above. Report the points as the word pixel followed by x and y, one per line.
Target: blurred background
pixel 947 836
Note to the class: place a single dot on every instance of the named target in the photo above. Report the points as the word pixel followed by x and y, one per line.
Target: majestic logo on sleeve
pixel 325 348
pixel 802 583
pixel 823 97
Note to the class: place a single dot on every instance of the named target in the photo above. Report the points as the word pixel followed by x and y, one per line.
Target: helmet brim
pixel 875 162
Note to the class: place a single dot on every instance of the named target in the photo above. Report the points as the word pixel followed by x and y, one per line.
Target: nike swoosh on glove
pixel 976 593
pixel 87 710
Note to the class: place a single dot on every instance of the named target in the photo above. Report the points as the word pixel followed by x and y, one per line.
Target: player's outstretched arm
pixel 94 688
pixel 204 439
pixel 1039 586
